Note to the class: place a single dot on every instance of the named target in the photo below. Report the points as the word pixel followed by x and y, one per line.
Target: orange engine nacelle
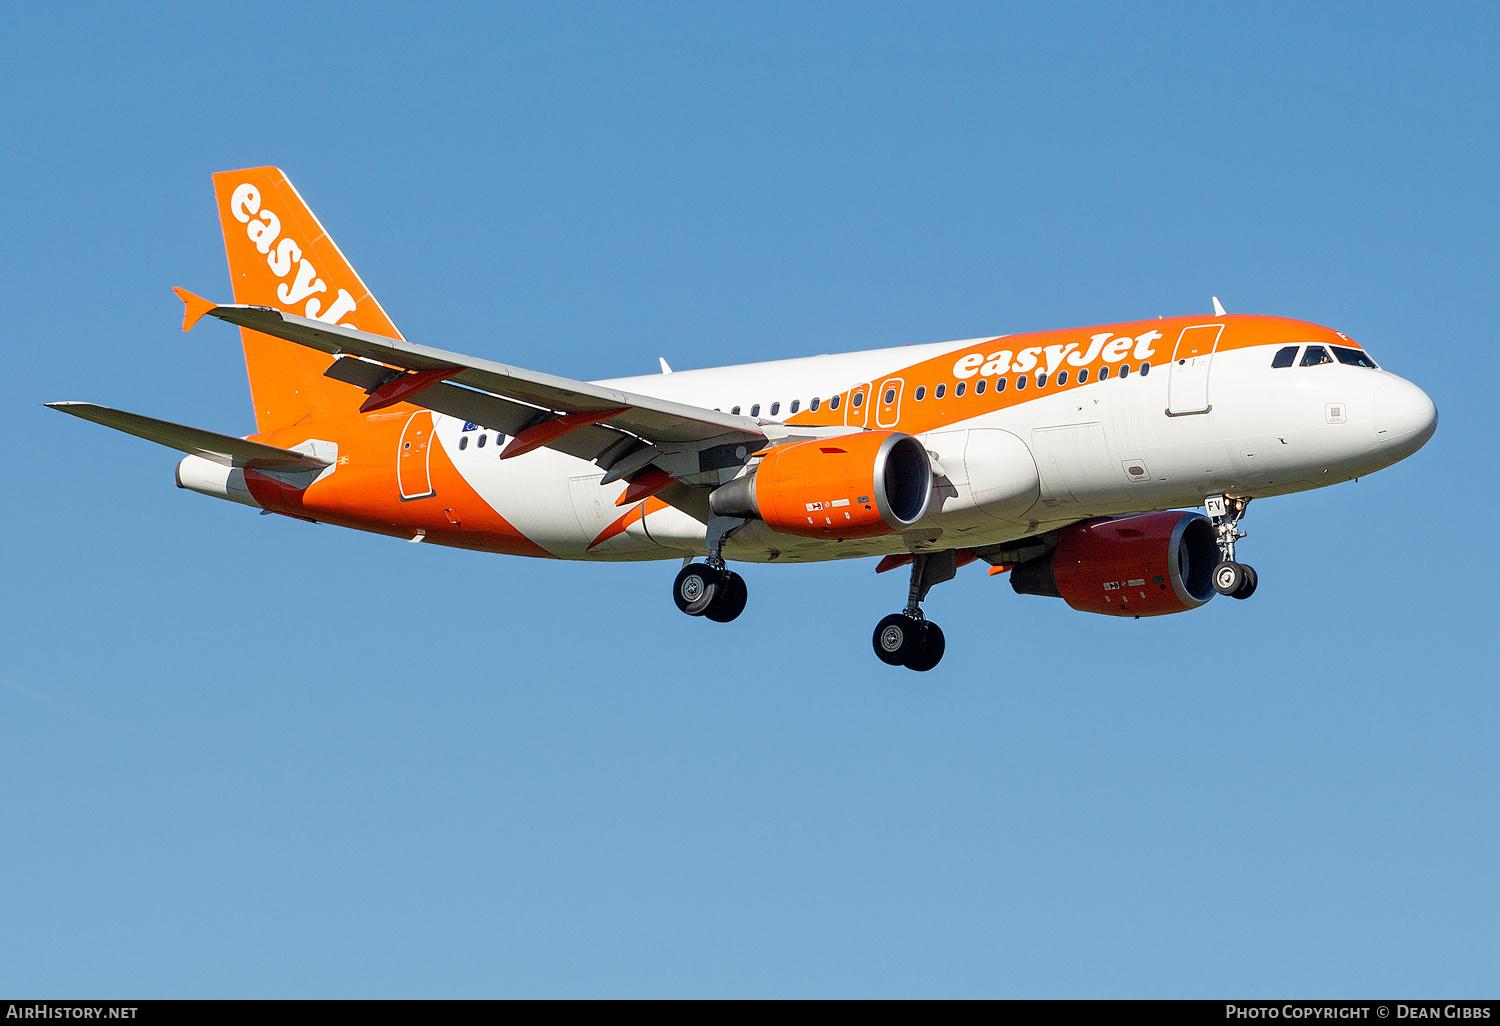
pixel 853 486
pixel 1143 565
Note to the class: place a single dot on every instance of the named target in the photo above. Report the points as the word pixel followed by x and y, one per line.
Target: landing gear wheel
pixel 1247 588
pixel 696 588
pixel 1228 578
pixel 730 601
pixel 897 638
pixel 930 648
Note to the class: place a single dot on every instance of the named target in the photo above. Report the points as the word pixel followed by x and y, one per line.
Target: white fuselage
pixel 1104 448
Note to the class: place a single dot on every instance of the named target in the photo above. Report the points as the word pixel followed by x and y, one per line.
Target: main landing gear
pixel 702 589
pixel 908 638
pixel 1236 580
pixel 711 589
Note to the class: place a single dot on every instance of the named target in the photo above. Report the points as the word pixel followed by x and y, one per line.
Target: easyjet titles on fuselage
pixel 1103 346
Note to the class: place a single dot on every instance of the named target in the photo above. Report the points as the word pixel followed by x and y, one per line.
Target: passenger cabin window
pixel 999 384
pixel 463 443
pixel 958 389
pixel 1083 376
pixel 1062 377
pixel 921 393
pixel 890 396
pixel 735 410
pixel 755 410
pixel 833 403
pixel 859 399
pixel 1285 357
pixel 1103 373
pixel 1314 356
pixel 775 409
pixel 1354 357
pixel 795 403
pixel 1145 369
pixel 979 387
pixel 480 443
pixel 1020 382
pixel 1125 370
pixel 1041 379
pixel 815 404
pixel 940 391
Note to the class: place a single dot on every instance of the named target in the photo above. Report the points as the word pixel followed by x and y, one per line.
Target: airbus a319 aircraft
pixel 1063 457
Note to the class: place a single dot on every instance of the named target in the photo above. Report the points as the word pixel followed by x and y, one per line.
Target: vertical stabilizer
pixel 280 256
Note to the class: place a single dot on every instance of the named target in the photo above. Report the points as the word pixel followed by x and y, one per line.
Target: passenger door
pixel 1187 387
pixel 413 458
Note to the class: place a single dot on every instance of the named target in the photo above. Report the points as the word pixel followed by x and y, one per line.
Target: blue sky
pixel 247 756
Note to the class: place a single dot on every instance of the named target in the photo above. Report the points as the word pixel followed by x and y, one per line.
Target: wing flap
pixel 223 449
pixel 481 408
pixel 451 400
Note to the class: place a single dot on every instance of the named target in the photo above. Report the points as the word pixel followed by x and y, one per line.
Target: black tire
pixel 696 587
pixel 1248 588
pixel 929 650
pixel 1228 578
pixel 896 638
pixel 730 601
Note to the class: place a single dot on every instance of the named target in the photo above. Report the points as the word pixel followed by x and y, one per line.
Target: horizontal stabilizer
pixel 193 308
pixel 223 449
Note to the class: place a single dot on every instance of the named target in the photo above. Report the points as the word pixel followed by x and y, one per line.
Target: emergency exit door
pixel 858 407
pixel 888 402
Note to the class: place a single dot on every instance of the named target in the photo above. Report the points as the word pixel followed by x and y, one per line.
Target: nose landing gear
pixel 1236 580
pixel 908 638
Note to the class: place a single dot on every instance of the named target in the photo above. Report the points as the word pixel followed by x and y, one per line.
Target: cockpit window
pixel 1354 357
pixel 1314 356
pixel 1285 357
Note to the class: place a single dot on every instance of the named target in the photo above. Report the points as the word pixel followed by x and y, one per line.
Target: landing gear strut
pixel 908 638
pixel 711 589
pixel 1236 580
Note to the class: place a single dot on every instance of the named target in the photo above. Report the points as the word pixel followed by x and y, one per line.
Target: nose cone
pixel 1404 418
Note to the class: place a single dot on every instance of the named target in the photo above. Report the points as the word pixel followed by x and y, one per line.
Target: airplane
pixel 1064 458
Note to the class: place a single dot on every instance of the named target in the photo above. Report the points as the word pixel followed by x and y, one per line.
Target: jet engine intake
pixel 853 486
pixel 1143 565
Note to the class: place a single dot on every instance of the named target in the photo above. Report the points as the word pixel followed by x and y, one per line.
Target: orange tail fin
pixel 280 256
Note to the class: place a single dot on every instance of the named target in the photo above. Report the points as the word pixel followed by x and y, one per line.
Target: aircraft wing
pixel 223 449
pixel 621 431
pixel 658 419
